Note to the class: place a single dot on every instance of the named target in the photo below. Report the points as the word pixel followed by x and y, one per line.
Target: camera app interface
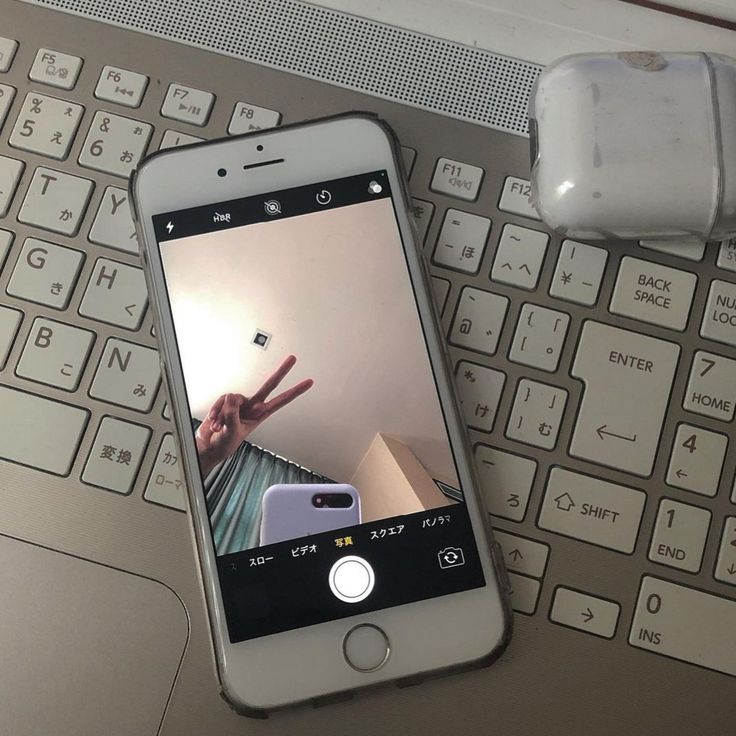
pixel 330 483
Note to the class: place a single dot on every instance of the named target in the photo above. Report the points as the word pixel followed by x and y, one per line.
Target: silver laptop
pixel 600 406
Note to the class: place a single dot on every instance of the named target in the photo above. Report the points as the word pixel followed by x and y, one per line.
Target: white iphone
pixel 299 337
pixel 293 510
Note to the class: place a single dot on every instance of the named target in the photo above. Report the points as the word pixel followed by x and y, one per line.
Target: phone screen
pixel 330 483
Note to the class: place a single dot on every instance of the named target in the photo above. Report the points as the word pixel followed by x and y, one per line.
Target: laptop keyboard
pixel 557 346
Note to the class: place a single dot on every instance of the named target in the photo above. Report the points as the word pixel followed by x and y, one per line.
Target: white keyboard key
pixel 719 320
pixel 128 375
pixel 457 179
pixel 727 255
pixel 173 139
pixel 248 117
pixel 480 393
pixel 56 201
pixel 524 593
pixel 116 455
pixel 408 157
pixel 506 481
pixel 679 535
pixel 115 294
pixel 726 566
pixel 55 354
pixel 628 378
pixel 166 484
pixel 10 320
pixel 113 225
pixel 114 144
pixel 540 337
pixel 516 198
pixel 519 256
pixel 8 47
pixel 38 432
pixel 697 460
pixel 478 320
pixel 7 93
pixel 121 86
pixel 10 172
pixel 592 510
pixel 462 241
pixel 684 623
pixel 46 125
pixel 441 290
pixel 55 68
pixel 693 250
pixel 711 389
pixel 579 273
pixel 422 212
pixel 187 104
pixel 6 240
pixel 537 414
pixel 45 273
pixel 166 413
pixel 653 293
pixel 522 555
pixel 585 612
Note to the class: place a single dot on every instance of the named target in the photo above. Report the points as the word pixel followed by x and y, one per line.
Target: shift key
pixel 592 510
pixel 628 379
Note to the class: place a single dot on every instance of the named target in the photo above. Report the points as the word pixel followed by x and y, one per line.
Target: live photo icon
pixel 261 339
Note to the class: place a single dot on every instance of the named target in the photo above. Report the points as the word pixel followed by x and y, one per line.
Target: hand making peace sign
pixel 234 416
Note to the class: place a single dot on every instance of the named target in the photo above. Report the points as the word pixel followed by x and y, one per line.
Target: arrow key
pixel 585 612
pixel 522 555
pixel 726 566
pixel 116 294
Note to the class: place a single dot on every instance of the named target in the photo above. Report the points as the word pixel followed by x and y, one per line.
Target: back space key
pixel 628 380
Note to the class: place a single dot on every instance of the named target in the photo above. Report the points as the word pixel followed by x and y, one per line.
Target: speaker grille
pixel 360 54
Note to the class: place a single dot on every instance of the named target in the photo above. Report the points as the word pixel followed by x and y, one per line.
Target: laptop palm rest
pixel 102 644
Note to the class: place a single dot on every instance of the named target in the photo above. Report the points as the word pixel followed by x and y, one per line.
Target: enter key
pixel 628 379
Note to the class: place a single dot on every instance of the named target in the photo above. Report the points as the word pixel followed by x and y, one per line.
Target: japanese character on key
pixel 108 452
pixel 124 457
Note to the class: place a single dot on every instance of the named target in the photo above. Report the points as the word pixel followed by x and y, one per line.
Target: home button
pixel 366 648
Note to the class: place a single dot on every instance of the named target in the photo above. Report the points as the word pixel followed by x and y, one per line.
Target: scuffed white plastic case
pixel 636 145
